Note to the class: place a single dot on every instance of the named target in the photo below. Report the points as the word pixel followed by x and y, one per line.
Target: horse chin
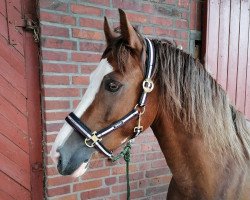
pixel 81 170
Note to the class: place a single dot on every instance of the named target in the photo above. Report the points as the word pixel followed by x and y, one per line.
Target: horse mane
pixel 190 94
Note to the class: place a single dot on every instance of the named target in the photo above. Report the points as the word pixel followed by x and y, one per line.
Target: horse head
pixel 114 91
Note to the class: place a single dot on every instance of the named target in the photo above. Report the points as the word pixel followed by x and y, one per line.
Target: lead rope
pixel 126 155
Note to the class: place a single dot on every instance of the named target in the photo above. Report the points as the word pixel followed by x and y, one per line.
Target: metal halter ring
pixel 148 85
pixel 141 108
pixel 94 138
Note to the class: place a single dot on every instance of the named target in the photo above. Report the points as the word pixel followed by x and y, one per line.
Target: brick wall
pixel 72 41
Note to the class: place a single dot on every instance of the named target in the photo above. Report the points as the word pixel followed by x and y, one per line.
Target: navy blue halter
pixel 93 139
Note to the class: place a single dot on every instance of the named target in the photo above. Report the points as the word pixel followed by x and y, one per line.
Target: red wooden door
pixel 228 50
pixel 20 124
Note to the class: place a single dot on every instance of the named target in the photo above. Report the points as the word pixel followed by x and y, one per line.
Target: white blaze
pixel 96 77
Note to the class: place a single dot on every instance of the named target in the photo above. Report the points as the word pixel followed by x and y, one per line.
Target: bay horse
pixel 205 140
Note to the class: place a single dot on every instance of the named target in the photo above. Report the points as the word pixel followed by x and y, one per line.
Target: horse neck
pixel 193 166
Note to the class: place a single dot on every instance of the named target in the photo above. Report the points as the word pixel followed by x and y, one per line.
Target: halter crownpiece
pixel 93 139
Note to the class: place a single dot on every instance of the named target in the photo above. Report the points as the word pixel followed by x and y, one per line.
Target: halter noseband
pixel 93 139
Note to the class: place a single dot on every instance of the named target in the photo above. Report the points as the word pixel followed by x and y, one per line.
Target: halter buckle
pixel 148 85
pixel 94 138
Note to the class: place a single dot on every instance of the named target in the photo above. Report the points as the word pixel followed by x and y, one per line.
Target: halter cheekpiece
pixel 94 138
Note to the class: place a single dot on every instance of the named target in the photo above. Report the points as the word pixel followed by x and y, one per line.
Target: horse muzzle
pixel 74 156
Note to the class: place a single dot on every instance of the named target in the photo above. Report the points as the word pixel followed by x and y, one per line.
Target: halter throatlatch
pixel 93 139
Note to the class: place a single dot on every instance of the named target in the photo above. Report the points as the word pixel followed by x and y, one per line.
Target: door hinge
pixel 30 25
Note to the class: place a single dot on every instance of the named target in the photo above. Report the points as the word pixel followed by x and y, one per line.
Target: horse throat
pixel 196 172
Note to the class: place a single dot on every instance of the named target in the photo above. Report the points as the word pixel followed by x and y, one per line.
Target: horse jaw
pixel 96 77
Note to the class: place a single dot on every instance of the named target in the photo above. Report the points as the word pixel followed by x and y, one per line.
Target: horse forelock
pixel 189 92
pixel 120 51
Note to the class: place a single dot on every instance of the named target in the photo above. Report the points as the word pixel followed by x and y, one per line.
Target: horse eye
pixel 113 86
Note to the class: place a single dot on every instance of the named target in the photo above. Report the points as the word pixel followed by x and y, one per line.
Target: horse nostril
pixel 59 165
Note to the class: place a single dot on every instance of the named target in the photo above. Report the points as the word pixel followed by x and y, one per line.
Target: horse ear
pixel 109 34
pixel 128 32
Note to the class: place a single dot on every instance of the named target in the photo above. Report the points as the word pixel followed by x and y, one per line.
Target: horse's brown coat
pixel 204 140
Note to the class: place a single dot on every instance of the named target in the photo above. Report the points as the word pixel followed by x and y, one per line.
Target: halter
pixel 94 138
